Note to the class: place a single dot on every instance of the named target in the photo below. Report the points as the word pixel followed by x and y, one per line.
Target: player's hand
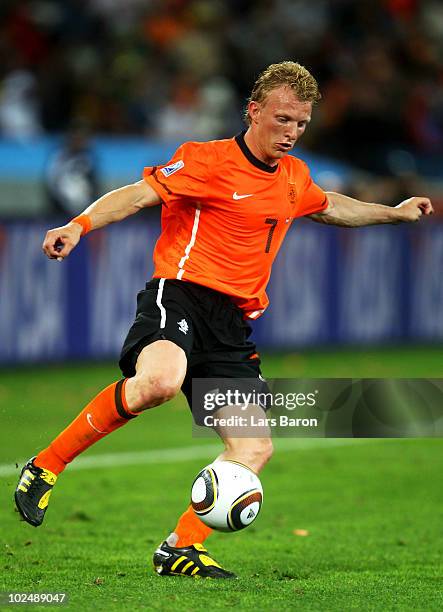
pixel 60 241
pixel 412 209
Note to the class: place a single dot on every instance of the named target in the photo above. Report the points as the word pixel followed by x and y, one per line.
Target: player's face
pixel 277 123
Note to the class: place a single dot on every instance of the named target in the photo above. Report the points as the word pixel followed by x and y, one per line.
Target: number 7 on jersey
pixel 273 224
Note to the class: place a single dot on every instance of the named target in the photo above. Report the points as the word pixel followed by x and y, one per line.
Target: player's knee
pixel 162 387
pixel 156 389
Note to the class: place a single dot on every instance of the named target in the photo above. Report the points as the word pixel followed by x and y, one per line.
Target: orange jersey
pixel 225 216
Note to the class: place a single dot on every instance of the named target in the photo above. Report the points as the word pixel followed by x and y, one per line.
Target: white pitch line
pixel 188 453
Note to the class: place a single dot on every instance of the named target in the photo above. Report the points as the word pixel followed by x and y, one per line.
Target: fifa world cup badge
pixel 292 193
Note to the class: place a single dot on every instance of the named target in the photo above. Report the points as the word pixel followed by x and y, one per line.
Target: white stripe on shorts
pixel 159 303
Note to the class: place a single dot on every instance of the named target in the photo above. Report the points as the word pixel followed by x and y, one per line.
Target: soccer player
pixel 226 207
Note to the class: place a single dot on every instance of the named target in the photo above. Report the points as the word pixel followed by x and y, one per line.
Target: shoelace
pixel 36 471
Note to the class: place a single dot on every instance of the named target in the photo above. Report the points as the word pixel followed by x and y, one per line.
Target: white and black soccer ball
pixel 226 495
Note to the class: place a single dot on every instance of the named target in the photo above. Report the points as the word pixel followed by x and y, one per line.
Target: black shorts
pixel 206 324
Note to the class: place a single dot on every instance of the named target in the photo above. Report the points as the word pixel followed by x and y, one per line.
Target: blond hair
pixel 292 74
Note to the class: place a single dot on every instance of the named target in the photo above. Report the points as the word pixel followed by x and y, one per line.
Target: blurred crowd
pixel 182 69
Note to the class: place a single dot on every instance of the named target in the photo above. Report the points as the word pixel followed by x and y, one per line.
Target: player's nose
pixel 291 135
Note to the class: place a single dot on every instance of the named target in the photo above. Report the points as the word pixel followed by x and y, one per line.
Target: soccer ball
pixel 226 495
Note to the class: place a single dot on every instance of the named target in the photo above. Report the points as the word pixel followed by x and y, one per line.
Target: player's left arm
pixel 348 212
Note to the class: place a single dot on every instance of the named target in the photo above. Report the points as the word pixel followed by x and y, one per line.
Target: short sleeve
pixel 185 175
pixel 312 199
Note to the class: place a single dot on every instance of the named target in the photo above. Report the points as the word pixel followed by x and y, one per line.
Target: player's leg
pixel 160 370
pixel 153 362
pixel 183 550
pixel 253 452
pixel 159 373
pixel 222 350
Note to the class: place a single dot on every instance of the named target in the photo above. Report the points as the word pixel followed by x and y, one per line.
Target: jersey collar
pixel 240 140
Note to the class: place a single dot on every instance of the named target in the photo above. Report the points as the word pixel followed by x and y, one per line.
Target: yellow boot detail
pixel 208 561
pixel 179 560
pixel 48 477
pixel 42 504
pixel 183 570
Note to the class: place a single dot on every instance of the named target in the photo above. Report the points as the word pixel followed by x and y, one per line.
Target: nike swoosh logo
pixel 235 196
pixel 89 419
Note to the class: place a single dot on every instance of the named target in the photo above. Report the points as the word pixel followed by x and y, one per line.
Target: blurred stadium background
pixel 91 91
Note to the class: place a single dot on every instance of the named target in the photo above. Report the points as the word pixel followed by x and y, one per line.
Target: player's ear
pixel 253 110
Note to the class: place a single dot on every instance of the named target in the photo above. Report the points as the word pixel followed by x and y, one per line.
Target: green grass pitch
pixel 372 510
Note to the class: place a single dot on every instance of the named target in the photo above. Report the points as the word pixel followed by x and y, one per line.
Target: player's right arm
pixel 113 206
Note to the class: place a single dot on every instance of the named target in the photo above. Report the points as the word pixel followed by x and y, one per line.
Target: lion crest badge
pixel 292 193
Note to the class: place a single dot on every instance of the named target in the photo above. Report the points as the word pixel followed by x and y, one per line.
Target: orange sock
pixel 189 529
pixel 105 413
